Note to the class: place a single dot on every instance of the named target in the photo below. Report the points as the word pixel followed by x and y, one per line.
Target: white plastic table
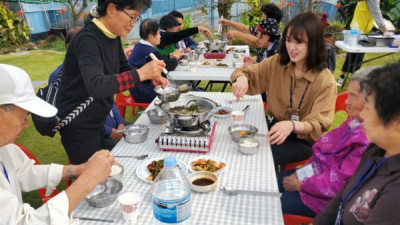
pixel 362 49
pixel 249 172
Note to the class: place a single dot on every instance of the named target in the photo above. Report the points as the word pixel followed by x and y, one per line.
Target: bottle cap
pixel 170 162
pixel 354 31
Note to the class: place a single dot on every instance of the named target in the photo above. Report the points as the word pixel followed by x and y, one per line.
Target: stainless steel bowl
pixel 216 45
pixel 248 145
pixel 105 193
pixel 183 62
pixel 157 116
pixel 135 133
pixel 168 94
pixel 242 131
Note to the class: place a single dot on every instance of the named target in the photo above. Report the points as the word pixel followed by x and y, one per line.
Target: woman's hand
pixel 98 167
pixel 151 70
pixel 224 22
pixel 177 53
pixel 231 34
pixel 279 132
pixel 247 61
pixel 205 31
pixel 239 88
pixel 160 81
pixel 291 183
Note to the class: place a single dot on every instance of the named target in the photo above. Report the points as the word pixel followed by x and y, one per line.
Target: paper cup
pixel 192 66
pixel 129 205
pixel 238 116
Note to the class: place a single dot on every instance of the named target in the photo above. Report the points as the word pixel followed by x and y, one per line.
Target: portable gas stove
pixel 176 139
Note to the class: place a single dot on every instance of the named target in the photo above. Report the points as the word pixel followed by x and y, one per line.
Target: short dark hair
pixel 141 5
pixel 176 14
pixel 7 107
pixel 384 83
pixel 272 11
pixel 306 23
pixel 71 33
pixel 148 26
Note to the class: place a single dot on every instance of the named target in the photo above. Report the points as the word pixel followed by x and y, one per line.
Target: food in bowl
pixel 207 165
pixel 239 131
pixel 191 109
pixel 248 145
pixel 203 181
pixel 183 62
pixel 206 63
pixel 222 111
pixel 117 171
pixel 221 64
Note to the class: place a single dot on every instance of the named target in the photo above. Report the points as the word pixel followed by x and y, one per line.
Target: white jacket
pixel 24 176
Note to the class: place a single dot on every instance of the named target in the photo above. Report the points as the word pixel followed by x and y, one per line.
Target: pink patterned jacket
pixel 335 158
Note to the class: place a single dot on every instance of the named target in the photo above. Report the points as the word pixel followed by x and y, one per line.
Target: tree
pixel 223 7
pixel 75 9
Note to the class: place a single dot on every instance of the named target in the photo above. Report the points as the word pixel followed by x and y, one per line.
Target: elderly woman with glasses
pixel 95 66
pixel 371 195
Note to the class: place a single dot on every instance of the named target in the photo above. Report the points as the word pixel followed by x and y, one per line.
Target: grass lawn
pixel 40 63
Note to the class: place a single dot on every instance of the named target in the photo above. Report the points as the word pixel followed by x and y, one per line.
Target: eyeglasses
pixel 134 19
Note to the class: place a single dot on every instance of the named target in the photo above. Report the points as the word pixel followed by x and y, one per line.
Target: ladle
pixel 180 87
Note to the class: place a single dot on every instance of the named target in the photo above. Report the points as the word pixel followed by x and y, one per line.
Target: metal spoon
pixel 237 191
pixel 94 219
pixel 246 108
pixel 138 157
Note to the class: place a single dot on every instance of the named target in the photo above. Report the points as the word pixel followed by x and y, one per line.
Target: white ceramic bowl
pixel 203 181
pixel 218 115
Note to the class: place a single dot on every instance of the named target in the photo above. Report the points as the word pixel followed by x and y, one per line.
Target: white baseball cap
pixel 16 88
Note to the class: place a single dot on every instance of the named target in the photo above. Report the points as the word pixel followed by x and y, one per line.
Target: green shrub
pixel 52 42
pixel 13 30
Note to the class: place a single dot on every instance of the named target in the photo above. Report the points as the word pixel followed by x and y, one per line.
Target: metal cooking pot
pixel 216 45
pixel 186 120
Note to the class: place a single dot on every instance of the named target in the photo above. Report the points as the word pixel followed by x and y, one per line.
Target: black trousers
pixel 356 61
pixel 292 149
pixel 291 201
pixel 79 151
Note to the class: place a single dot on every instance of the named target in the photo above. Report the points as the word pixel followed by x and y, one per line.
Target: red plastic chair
pixel 42 191
pixel 341 102
pixel 290 219
pixel 294 165
pixel 122 101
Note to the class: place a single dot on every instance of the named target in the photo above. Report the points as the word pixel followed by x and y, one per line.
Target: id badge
pixel 295 117
pixel 305 172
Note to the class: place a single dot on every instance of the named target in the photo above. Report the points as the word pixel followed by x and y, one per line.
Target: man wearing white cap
pixel 17 172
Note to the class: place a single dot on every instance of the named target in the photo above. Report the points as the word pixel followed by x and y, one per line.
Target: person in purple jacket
pixel 334 160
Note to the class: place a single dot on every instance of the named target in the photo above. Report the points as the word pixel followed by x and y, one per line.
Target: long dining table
pixel 248 172
pixel 210 71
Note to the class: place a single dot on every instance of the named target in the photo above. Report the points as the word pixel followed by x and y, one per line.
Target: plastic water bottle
pixel 354 34
pixel 171 195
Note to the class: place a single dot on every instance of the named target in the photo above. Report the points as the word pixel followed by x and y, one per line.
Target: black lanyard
pixel 364 176
pixel 5 172
pixel 291 98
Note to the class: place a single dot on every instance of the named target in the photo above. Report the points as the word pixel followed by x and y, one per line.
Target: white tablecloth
pixel 250 172
pixel 362 49
pixel 209 72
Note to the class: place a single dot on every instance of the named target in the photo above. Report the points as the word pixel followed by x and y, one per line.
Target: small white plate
pixel 142 172
pixel 206 157
pixel 222 115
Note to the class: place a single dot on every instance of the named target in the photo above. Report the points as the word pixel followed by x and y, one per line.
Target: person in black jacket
pixel 95 66
pixel 170 33
pixel 150 37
